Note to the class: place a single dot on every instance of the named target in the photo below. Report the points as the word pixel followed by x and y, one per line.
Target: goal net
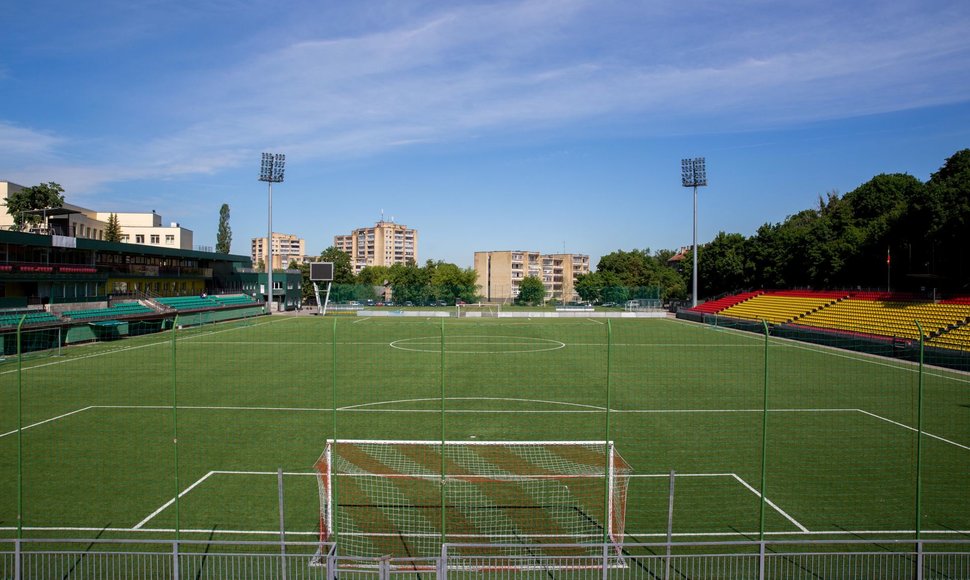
pixel 479 310
pixel 404 498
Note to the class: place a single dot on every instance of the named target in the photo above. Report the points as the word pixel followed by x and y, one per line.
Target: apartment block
pixel 500 272
pixel 74 221
pixel 559 273
pixel 286 248
pixel 385 244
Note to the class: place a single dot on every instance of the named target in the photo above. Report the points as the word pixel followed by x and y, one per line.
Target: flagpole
pixel 888 270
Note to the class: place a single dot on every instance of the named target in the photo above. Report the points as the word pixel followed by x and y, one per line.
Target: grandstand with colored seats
pixel 888 318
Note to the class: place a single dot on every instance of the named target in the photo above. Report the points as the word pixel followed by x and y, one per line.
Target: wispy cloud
pixel 457 73
pixel 20 143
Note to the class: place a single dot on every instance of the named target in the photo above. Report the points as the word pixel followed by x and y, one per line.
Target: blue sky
pixel 519 124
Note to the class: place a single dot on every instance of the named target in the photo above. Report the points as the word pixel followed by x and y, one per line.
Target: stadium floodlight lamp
pixel 272 167
pixel 693 173
pixel 271 171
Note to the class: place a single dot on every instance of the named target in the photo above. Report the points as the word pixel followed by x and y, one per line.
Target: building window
pixel 139 238
pixel 155 238
pixel 124 238
pixel 169 239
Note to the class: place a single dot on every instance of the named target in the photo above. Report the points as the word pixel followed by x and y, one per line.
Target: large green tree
pixel 723 263
pixel 224 233
pixel 343 271
pixel 452 283
pixel 638 272
pixel 948 202
pixel 531 291
pixel 23 205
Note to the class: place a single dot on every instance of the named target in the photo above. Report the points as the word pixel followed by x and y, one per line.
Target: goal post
pixel 480 310
pixel 404 498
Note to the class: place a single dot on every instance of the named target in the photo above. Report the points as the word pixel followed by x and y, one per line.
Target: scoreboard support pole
pixel 322 306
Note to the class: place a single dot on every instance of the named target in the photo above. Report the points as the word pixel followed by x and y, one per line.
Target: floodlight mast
pixel 271 171
pixel 693 173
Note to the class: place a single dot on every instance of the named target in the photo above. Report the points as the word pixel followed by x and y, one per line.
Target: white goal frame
pixel 464 310
pixel 534 472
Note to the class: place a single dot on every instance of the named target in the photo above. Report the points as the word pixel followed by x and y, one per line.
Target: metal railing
pixel 884 559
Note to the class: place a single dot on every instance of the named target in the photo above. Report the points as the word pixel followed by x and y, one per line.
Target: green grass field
pixel 98 457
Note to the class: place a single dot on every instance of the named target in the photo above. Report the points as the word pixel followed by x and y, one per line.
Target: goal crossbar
pixel 404 498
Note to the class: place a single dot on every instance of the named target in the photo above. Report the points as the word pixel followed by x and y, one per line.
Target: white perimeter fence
pixel 122 559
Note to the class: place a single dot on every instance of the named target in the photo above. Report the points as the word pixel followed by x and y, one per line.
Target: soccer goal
pixel 479 310
pixel 405 498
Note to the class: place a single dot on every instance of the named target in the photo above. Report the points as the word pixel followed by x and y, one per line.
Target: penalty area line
pixel 737 478
pixel 199 481
pixel 2 435
pixel 771 503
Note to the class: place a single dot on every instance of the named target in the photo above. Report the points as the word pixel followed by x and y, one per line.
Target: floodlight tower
pixel 271 172
pixel 693 173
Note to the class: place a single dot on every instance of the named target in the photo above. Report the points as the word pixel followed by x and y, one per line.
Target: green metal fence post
pixel 20 430
pixel 175 425
pixel 606 439
pixel 919 431
pixel 333 397
pixel 442 453
pixel 764 440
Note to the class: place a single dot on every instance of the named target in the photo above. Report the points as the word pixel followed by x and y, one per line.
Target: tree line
pixel 435 282
pixel 893 231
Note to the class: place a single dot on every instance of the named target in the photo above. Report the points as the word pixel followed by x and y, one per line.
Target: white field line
pixel 794 410
pixel 130 348
pixel 209 408
pixel 937 437
pixel 276 533
pixel 596 321
pixel 739 480
pixel 363 319
pixel 585 409
pixel 771 503
pixel 666 345
pixel 2 435
pixel 171 501
pixel 564 404
pixel 198 482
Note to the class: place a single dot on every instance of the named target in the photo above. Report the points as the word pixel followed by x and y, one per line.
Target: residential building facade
pixel 385 244
pixel 79 222
pixel 501 272
pixel 559 273
pixel 286 248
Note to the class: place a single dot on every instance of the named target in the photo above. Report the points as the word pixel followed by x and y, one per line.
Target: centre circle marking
pixel 510 344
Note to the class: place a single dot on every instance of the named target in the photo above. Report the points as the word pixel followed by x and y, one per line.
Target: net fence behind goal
pixel 380 498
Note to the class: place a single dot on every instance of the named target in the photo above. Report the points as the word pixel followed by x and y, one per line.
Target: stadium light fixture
pixel 271 171
pixel 693 173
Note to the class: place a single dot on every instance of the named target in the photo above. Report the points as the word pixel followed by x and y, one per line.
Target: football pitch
pixel 186 430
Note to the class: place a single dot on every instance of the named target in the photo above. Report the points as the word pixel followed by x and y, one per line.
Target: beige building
pixel 559 273
pixel 80 222
pixel 499 273
pixel 286 248
pixel 384 244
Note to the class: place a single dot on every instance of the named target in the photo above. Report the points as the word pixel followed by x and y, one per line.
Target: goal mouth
pixel 405 499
